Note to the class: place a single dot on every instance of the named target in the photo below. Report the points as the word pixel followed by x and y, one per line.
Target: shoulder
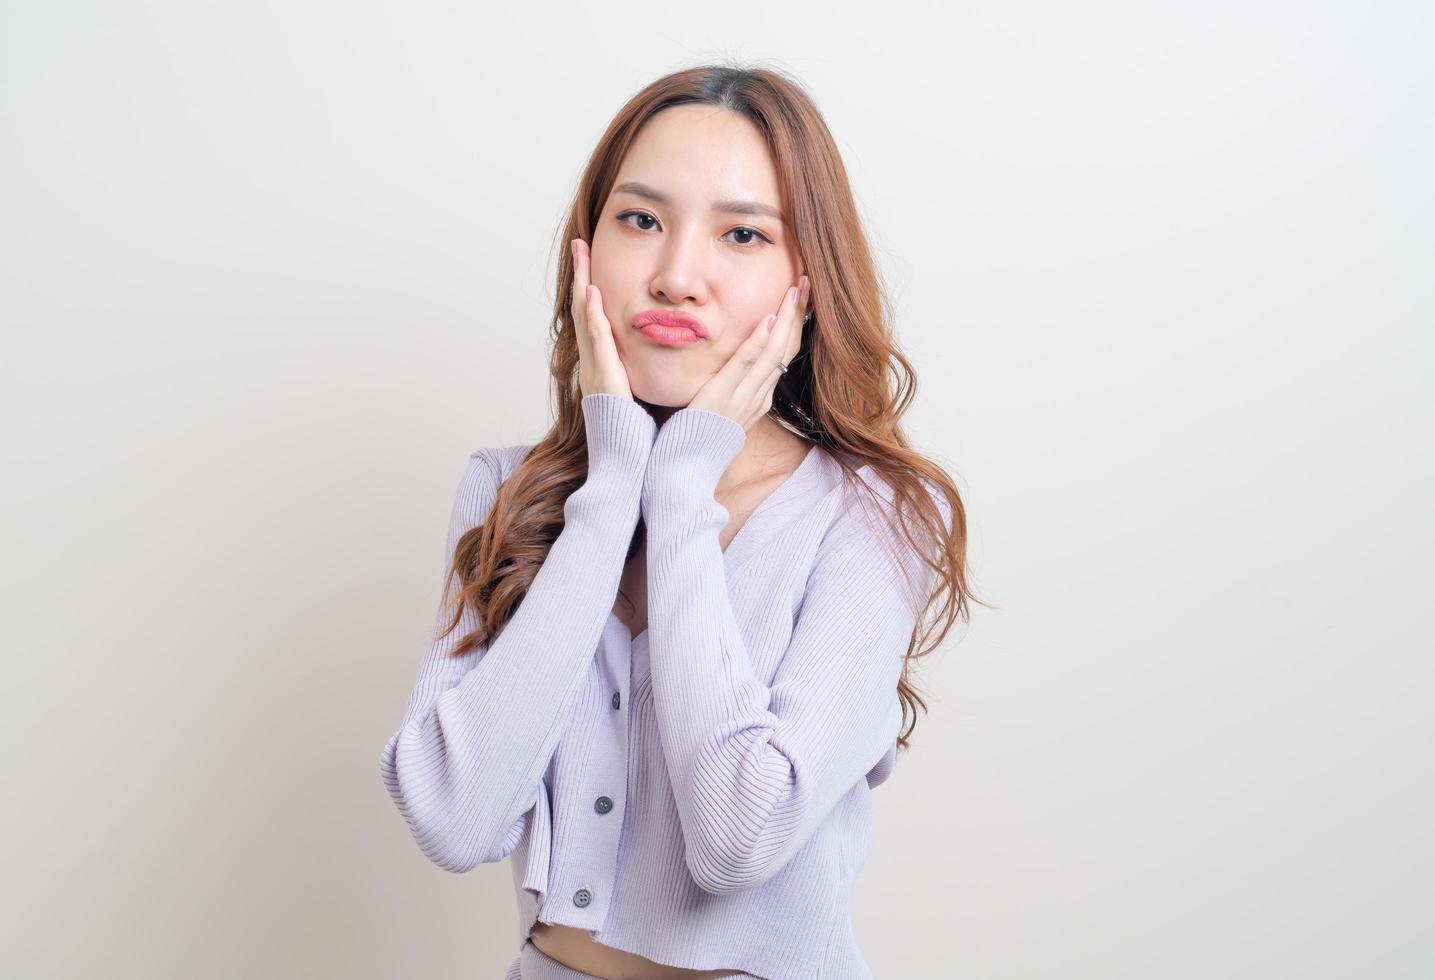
pixel 864 526
pixel 862 498
pixel 487 468
pixel 500 461
pixel 886 496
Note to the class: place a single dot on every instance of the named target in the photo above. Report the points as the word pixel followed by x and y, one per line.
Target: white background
pixel 270 271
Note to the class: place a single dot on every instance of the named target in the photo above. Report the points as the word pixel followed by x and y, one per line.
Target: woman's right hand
pixel 600 369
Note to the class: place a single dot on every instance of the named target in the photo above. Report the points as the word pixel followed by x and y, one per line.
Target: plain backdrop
pixel 269 272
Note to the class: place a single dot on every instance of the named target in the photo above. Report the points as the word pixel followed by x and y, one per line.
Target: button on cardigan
pixel 697 794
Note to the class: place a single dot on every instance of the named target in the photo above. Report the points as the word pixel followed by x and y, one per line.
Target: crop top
pixel 697 794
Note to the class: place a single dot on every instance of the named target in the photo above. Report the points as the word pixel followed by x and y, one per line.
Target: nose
pixel 681 276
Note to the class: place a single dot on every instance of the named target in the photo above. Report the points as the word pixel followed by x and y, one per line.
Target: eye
pixel 751 231
pixel 623 216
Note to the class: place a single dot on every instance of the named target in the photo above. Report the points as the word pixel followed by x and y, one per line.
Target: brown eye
pixel 623 218
pixel 744 229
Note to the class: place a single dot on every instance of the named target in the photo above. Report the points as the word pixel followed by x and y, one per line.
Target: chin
pixel 661 396
pixel 661 402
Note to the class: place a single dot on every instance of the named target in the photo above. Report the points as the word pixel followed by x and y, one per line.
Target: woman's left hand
pixel 742 388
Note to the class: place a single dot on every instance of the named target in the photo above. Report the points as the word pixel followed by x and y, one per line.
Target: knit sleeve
pixel 466 764
pixel 756 768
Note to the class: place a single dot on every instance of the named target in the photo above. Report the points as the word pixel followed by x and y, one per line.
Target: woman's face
pixel 725 268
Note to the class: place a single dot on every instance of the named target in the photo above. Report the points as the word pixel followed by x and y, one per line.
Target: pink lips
pixel 670 327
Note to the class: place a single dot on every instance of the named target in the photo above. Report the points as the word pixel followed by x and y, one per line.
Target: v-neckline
pixel 731 553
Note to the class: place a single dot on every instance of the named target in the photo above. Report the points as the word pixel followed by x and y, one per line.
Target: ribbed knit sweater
pixel 697 794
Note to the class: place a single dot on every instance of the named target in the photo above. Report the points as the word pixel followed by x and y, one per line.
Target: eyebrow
pixel 729 207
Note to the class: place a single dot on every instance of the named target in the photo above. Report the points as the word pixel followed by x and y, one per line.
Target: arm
pixel 755 769
pixel 466 765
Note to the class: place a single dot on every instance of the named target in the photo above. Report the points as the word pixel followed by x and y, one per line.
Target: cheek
pixel 606 270
pixel 597 261
pixel 760 301
pixel 600 250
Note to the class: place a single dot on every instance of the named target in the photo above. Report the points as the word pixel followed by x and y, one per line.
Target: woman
pixel 685 635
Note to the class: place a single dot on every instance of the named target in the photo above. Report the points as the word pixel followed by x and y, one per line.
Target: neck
pixel 770 447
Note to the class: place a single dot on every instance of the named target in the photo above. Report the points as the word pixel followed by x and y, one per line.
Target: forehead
pixel 702 153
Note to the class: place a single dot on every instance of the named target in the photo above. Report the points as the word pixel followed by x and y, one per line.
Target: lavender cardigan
pixel 697 794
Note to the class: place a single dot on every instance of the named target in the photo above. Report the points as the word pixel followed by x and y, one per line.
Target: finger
pixel 793 339
pixel 762 399
pixel 600 338
pixel 597 320
pixel 578 300
pixel 804 310
pixel 764 364
pixel 783 347
pixel 717 392
pixel 764 395
pixel 578 294
pixel 595 326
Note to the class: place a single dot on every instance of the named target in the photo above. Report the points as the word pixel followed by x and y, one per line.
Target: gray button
pixel 617 700
pixel 582 897
pixel 602 804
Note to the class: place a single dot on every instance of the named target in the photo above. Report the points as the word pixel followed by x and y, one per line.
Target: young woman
pixel 677 660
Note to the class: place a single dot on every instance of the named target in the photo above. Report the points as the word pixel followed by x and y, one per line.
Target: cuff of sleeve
pixel 697 445
pixel 619 432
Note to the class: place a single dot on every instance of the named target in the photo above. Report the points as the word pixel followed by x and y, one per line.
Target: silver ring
pixel 782 367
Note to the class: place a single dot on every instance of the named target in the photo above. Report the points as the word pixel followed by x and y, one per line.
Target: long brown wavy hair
pixel 846 391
